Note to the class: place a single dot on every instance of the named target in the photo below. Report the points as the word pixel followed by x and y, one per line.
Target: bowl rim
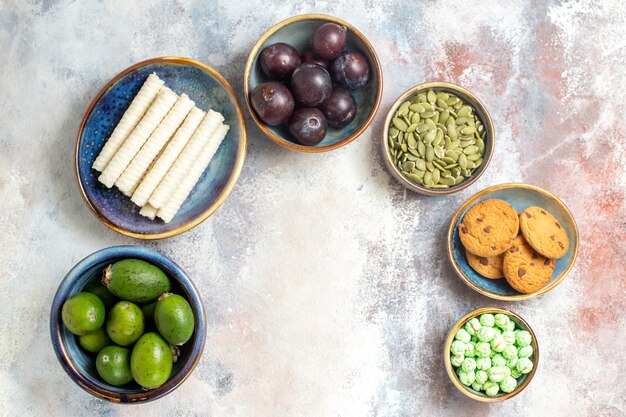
pixel 176 273
pixel 470 393
pixel 475 102
pixel 516 297
pixel 376 66
pixel 228 187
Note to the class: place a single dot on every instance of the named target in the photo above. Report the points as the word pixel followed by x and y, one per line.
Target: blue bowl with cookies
pixel 512 241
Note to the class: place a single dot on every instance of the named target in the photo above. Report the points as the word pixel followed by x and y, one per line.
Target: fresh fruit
pixel 125 323
pixel 340 108
pixel 83 313
pixel 309 57
pixel 96 287
pixel 93 342
pixel 279 60
pixel 308 125
pixel 310 85
pixel 151 361
pixel 113 365
pixel 272 102
pixel 350 69
pixel 328 40
pixel 135 280
pixel 148 315
pixel 174 318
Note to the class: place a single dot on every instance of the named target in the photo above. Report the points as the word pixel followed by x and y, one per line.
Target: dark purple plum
pixel 279 60
pixel 308 125
pixel 308 57
pixel 340 108
pixel 273 103
pixel 310 85
pixel 328 40
pixel 350 69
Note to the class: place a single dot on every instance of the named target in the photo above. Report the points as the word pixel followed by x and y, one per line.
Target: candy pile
pixel 490 353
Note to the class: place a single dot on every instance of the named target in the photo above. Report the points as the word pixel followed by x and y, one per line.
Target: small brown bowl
pixel 523 380
pixel 481 112
pixel 296 31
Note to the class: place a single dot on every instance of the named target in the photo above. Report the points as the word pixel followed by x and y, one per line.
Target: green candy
pixel 463 336
pixel 497 373
pixel 491 388
pixel 522 338
pixel 483 363
pixel 508 384
pixel 457 360
pixel 509 337
pixel 515 373
pixel 498 360
pixel 467 378
pixel 470 350
pixel 525 352
pixel 524 365
pixel 485 334
pixel 511 362
pixel 476 386
pixel 483 349
pixel 498 344
pixel 472 326
pixel 468 365
pixel 487 320
pixel 501 320
pixel 497 332
pixel 507 370
pixel 509 327
pixel 510 351
pixel 481 377
pixel 457 347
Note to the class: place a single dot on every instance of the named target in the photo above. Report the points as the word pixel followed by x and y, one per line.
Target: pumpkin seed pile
pixel 436 139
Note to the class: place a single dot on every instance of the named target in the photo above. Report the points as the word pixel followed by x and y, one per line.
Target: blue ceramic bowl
pixel 520 196
pixel 297 31
pixel 80 365
pixel 209 90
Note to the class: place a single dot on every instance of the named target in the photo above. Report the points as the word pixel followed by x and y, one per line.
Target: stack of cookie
pixel 495 248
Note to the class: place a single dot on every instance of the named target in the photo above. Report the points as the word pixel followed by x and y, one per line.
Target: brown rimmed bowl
pixel 522 382
pixel 520 196
pixel 296 31
pixel 480 111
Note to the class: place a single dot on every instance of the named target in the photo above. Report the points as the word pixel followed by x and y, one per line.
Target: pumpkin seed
pixel 470 149
pixel 452 155
pixel 452 100
pixel 439 151
pixel 415 118
pixel 411 128
pixel 427 114
pixel 447 180
pixel 468 130
pixel 441 104
pixel 436 175
pixel 410 141
pixel 414 178
pixel 427 107
pixel 463 161
pixel 400 124
pixel 439 186
pixel 428 177
pixel 410 156
pixel 421 149
pixel 438 165
pixel 466 143
pixel 392 144
pixel 432 98
pixel 408 166
pixel 430 136
pixel 461 121
pixel 430 167
pixel 393 132
pixel 430 153
pixel 464 111
pixel 420 164
pixel 404 108
pixel 473 157
pixel 403 147
pixel 452 131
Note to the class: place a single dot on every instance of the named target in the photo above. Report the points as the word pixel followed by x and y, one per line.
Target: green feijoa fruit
pixel 135 280
pixel 96 287
pixel 83 313
pixel 151 361
pixel 148 315
pixel 174 318
pixel 125 323
pixel 94 342
pixel 113 365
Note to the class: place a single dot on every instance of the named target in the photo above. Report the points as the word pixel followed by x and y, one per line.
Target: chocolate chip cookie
pixel 489 267
pixel 543 232
pixel 524 269
pixel 489 227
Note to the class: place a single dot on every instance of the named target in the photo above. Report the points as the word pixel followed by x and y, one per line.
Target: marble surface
pixel 326 285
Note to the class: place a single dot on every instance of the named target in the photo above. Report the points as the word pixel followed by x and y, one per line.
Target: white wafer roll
pixel 129 121
pixel 134 172
pixel 163 163
pixel 185 160
pixel 148 211
pixel 168 211
pixel 156 112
